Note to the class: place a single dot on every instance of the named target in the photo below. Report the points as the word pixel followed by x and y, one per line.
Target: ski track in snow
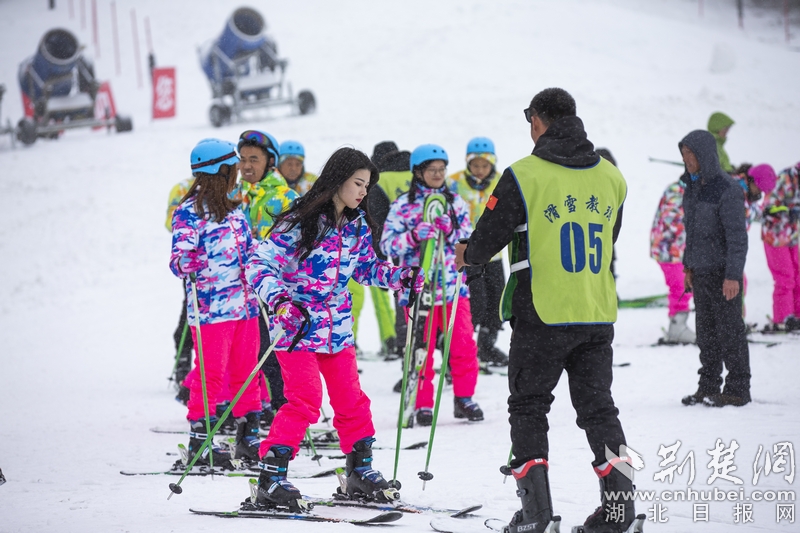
pixel 88 305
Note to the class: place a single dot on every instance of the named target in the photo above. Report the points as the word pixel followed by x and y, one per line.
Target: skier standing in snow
pixel 779 231
pixel 719 124
pixel 211 239
pixel 475 185
pixel 291 165
pixel 266 195
pixel 714 258
pixel 560 209
pixel 184 363
pixel 403 232
pixel 667 242
pixel 301 272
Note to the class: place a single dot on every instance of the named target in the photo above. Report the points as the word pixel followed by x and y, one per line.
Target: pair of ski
pixel 389 511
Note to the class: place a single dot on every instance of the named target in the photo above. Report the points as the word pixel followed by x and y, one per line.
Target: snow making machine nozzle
pixel 245 72
pixel 59 90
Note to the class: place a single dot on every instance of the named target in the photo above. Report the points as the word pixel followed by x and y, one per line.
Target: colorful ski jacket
pixel 474 193
pixel 303 183
pixel 398 239
pixel 318 284
pixel 778 226
pixel 668 235
pixel 175 196
pixel 264 200
pixel 222 290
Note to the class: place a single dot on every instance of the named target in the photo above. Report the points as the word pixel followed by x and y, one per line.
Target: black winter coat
pixel 714 214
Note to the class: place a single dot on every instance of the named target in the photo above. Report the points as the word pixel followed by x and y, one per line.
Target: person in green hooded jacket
pixel 719 124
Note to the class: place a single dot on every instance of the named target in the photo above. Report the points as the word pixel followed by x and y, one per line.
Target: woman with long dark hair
pixel 301 272
pixel 211 239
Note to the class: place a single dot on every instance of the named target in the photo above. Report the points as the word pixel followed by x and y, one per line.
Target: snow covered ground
pixel 88 306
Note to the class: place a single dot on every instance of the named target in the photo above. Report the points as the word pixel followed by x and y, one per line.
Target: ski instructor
pixel 560 209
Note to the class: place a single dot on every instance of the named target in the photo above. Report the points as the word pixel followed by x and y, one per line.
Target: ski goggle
pixel 256 137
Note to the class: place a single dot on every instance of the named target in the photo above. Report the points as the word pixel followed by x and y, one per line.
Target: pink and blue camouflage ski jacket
pixel 319 283
pixel 222 290
pixel 398 240
pixel 668 235
pixel 778 226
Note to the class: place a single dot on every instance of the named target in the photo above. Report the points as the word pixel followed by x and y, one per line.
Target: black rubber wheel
pixel 26 131
pixel 306 103
pixel 219 115
pixel 123 123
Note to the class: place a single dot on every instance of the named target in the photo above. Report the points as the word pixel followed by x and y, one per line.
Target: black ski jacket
pixel 714 215
pixel 564 143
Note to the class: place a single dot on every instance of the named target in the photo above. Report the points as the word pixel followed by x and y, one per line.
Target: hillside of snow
pixel 88 305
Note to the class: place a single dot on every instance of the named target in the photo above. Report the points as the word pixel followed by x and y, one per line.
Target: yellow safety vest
pixel 571 214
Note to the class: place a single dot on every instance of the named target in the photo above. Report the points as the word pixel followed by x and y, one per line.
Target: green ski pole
pixel 425 475
pixel 180 349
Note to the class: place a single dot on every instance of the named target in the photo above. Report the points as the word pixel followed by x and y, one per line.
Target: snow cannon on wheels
pixel 60 92
pixel 245 72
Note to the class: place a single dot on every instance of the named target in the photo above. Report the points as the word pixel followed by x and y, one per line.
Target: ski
pixel 435 206
pixel 206 471
pixel 396 506
pixel 383 518
pixel 645 302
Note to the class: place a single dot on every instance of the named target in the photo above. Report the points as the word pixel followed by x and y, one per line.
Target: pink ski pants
pixel 784 264
pixel 229 348
pixel 302 387
pixel 673 275
pixel 463 354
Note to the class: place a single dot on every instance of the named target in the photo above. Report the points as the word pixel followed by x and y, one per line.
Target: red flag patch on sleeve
pixel 491 203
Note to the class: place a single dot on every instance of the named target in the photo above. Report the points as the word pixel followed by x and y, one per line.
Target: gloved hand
pixel 424 231
pixel 404 297
pixel 289 317
pixel 444 224
pixel 191 261
pixel 403 278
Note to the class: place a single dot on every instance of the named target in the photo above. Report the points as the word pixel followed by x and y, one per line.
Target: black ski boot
pixel 247 441
pixel 467 408
pixel 533 489
pixel 362 482
pixel 487 351
pixel 615 515
pixel 274 490
pixel 197 435
pixel 267 415
pixel 229 426
pixel 424 417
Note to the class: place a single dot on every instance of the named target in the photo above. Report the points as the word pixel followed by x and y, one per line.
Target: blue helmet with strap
pixel 427 152
pixel 289 148
pixel 210 154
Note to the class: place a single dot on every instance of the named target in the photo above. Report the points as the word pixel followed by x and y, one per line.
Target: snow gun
pixel 59 90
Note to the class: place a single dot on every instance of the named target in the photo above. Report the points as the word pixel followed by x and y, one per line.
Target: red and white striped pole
pixel 137 59
pixel 115 33
pixel 95 38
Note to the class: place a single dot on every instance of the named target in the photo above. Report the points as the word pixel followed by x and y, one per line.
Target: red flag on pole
pixel 164 96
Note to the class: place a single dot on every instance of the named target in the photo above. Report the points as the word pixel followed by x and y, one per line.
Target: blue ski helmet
pixel 427 152
pixel 292 149
pixel 263 140
pixel 481 147
pixel 210 154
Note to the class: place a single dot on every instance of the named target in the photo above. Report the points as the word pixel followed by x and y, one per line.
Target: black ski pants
pixel 485 294
pixel 271 368
pixel 721 337
pixel 538 356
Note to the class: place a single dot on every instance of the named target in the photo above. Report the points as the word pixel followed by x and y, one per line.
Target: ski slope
pixel 88 305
